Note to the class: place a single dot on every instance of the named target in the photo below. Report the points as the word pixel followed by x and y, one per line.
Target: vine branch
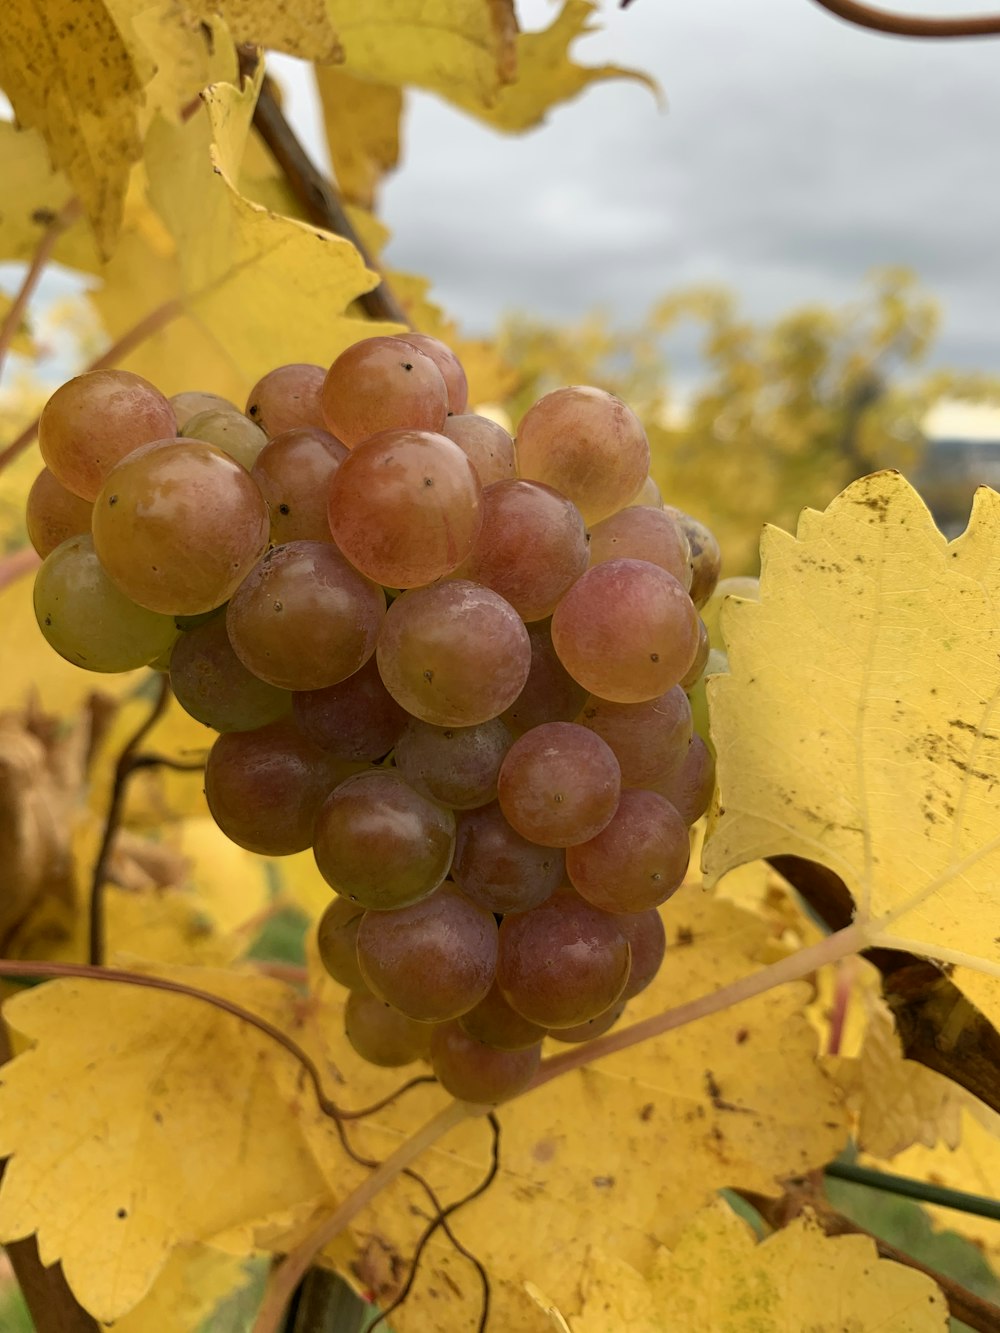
pixel 912 25
pixel 56 225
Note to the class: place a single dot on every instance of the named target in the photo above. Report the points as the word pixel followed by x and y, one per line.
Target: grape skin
pixel 382 384
pixel 560 784
pixel 53 514
pixel 474 1072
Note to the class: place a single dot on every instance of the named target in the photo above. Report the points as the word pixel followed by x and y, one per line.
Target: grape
pixel 447 363
pixel 474 1072
pixel 648 942
pixel 639 533
pixel 382 1035
pixel 500 870
pixel 489 448
pixel 649 494
pixel 265 787
pixel 287 398
pixel 649 739
pixel 496 1024
pixel 456 766
pixel 559 784
pixel 531 548
pixel 382 384
pixel 637 861
pixel 689 790
pixel 188 404
pixel 303 618
pixel 94 421
pixel 562 963
pixel 453 654
pixel 697 668
pixel 88 620
pixel 380 843
pixel 594 1027
pixel 406 507
pixel 706 558
pixel 356 719
pixel 627 631
pixel 211 683
pixel 550 693
pixel 432 960
pixel 294 471
pixel 54 514
pixel 337 942
pixel 179 525
pixel 230 431
pixel 738 586
pixel 588 445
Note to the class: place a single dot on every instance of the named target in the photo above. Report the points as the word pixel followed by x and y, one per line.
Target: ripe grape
pixel 638 533
pixel 456 766
pixel 294 471
pixel 383 384
pixel 304 618
pixel 500 870
pixel 90 621
pixel 649 494
pixel 382 844
pixel 626 630
pixel 489 448
pixel 211 683
pixel 265 787
pixel 405 507
pixel 562 963
pixel 637 861
pixel 706 558
pixel 496 1024
pixel 697 668
pixel 432 960
pixel 54 514
pixel 179 525
pixel 382 1035
pixel 649 739
pixel 449 365
pixel 188 404
pixel 648 941
pixel 288 398
pixel 594 1027
pixel 453 654
pixel 559 784
pixel 588 445
pixel 230 431
pixel 532 546
pixel 689 789
pixel 474 1072
pixel 337 942
pixel 357 719
pixel 741 585
pixel 550 693
pixel 97 419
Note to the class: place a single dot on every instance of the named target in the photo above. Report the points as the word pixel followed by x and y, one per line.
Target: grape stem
pixel 912 25
pixel 55 227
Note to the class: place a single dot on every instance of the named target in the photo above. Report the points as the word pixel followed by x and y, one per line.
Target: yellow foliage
pixel 719 1278
pixel 361 120
pixel 190 1287
pixel 32 194
pixel 299 27
pixel 855 724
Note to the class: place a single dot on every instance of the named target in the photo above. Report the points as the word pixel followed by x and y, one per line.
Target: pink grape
pixel 489 448
pixel 382 1035
pixel 500 870
pixel 474 1072
pixel 211 683
pixel 697 668
pixel 559 784
pixel 650 739
pixel 456 766
pixel 380 843
pixel 288 398
pixel 588 445
pixel 405 507
pixel 637 861
pixel 627 631
pixel 304 618
pixel 594 1027
pixel 550 694
pixel 337 942
pixel 640 533
pixel 453 654
pixel 496 1024
pixel 54 514
pixel 294 471
pixel 449 365
pixel 706 558
pixel 383 384
pixel 357 719
pixel 689 789
pixel 648 941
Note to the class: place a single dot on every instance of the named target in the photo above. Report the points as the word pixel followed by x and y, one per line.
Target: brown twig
pixel 57 224
pixel 318 197
pixel 912 25
pixel 963 1304
pixel 922 999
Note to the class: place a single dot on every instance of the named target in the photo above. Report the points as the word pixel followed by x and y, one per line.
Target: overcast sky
pixel 796 154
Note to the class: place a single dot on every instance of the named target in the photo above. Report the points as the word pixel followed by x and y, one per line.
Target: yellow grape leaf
pixel 720 1278
pixel 459 48
pixel 298 27
pixel 621 1152
pixel 857 725
pixel 188 1290
pixel 547 74
pixel 141 1121
pixel 33 193
pixel 361 120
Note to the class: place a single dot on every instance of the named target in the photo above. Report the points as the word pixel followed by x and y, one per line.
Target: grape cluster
pixel 455 669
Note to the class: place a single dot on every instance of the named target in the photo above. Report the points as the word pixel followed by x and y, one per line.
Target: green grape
pixel 94 421
pixel 88 620
pixel 382 1035
pixel 706 558
pixel 337 942
pixel 179 525
pixel 294 471
pixel 449 365
pixel 383 384
pixel 588 445
pixel 211 683
pixel 637 860
pixel 559 784
pixel 739 586
pixel 230 431
pixel 488 447
pixel 53 514
pixel 288 398
pixel 192 401
pixel 474 1072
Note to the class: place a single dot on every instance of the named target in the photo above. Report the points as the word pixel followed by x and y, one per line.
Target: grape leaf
pixel 361 121
pixel 298 27
pixel 190 1287
pixel 718 1277
pixel 858 723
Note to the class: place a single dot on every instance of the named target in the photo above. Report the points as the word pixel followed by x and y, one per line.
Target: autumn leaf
pixel 719 1278
pixel 856 726
pixel 361 120
pixel 188 1290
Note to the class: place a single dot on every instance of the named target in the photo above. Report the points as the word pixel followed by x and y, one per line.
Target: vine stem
pixel 912 25
pixel 43 253
pixel 294 1267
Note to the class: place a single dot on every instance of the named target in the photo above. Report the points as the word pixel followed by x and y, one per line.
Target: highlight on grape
pixel 453 663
